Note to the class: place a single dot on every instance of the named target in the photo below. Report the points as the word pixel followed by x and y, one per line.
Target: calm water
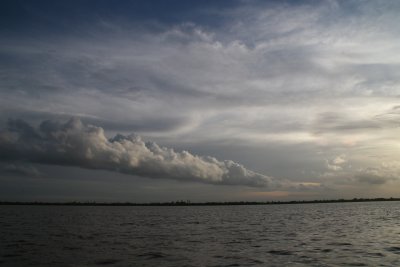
pixel 348 234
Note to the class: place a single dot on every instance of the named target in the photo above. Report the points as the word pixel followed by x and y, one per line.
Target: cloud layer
pixel 301 90
pixel 76 144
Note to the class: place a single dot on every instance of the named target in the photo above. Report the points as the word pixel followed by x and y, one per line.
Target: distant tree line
pixel 188 203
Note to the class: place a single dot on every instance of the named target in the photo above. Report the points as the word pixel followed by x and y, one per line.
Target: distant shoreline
pixel 188 203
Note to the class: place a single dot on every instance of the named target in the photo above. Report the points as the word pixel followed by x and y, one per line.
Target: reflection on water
pixel 335 234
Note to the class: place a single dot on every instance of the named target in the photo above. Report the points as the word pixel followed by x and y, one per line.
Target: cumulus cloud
pixel 339 160
pixel 336 164
pixel 76 144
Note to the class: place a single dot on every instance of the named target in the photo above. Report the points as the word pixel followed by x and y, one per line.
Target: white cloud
pixel 339 160
pixel 337 163
pixel 86 146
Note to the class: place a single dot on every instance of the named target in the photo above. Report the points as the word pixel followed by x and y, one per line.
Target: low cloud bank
pixel 76 144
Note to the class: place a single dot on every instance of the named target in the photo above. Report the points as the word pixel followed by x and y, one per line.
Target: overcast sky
pixel 200 100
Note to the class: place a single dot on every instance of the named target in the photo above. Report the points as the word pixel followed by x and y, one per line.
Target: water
pixel 343 234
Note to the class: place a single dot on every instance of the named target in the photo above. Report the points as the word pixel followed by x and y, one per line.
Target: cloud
pixel 371 178
pixel 336 164
pixel 293 62
pixel 339 160
pixel 21 169
pixel 335 122
pixel 270 79
pixel 76 144
pixel 375 176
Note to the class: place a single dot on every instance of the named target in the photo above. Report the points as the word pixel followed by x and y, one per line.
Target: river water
pixel 334 234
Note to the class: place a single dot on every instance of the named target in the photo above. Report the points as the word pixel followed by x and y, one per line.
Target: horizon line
pixel 189 203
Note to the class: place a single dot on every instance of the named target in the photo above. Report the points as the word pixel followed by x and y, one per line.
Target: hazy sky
pixel 200 100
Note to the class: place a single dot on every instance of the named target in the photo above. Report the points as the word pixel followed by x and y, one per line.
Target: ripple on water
pixel 376 255
pixel 11 255
pixel 395 250
pixel 71 248
pixel 153 255
pixel 199 236
pixel 237 260
pixel 354 264
pixel 339 244
pixel 107 261
pixel 280 252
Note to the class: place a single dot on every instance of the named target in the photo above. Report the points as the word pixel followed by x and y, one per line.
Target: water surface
pixel 330 234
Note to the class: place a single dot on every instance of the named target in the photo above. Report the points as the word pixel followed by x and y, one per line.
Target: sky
pixel 149 101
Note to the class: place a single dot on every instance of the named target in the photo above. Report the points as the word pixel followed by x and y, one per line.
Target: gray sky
pixel 228 100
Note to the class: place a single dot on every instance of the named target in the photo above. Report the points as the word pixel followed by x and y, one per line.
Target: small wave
pixel 354 264
pixel 70 248
pixel 280 252
pixel 107 261
pixel 233 242
pixel 125 224
pixel 339 244
pixel 153 255
pixel 13 245
pixel 377 254
pixel 11 255
pixel 243 260
pixel 395 250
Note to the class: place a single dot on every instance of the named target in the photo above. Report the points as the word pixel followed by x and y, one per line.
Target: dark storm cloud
pixel 73 143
